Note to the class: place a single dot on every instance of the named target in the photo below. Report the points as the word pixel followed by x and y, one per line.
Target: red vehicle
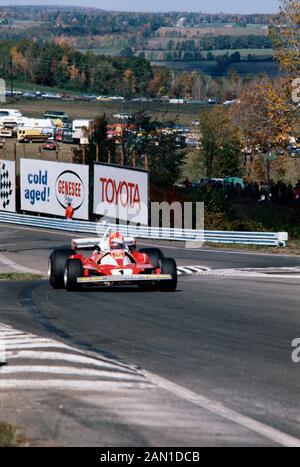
pixel 59 134
pixel 113 261
pixel 50 145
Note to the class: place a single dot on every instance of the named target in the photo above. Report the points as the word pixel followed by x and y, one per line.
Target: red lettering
pixel 113 188
pixel 102 181
pixel 131 187
pixel 124 197
pixel 136 197
pixel 69 188
pixel 126 193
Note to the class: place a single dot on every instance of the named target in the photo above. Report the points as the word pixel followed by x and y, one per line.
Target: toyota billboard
pixel 121 193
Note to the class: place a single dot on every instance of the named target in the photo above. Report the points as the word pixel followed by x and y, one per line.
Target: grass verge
pixel 20 276
pixel 292 248
pixel 8 436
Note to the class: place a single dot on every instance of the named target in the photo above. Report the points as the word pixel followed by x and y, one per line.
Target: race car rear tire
pixel 73 270
pixel 168 266
pixel 57 261
pixel 155 256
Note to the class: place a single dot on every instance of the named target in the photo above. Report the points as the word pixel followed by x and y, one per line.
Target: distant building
pixel 181 23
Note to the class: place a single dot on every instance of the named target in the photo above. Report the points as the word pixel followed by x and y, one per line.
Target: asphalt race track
pixel 208 365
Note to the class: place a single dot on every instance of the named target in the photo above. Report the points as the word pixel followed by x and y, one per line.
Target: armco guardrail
pixel 155 233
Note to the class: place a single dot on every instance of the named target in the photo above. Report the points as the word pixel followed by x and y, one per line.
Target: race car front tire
pixel 73 270
pixel 155 255
pixel 57 261
pixel 168 266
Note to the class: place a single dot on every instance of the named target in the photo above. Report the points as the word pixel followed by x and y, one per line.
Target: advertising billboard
pixel 7 186
pixel 48 187
pixel 121 193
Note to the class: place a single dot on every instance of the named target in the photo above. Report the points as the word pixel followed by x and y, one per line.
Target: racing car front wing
pixel 124 278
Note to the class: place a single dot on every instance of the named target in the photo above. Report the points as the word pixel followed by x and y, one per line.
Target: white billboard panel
pixel 121 193
pixel 7 186
pixel 48 187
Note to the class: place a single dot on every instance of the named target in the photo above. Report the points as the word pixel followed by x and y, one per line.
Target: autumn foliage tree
pixel 264 115
pixel 285 34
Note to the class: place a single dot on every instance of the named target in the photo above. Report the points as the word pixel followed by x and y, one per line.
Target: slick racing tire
pixel 73 270
pixel 57 261
pixel 168 266
pixel 155 256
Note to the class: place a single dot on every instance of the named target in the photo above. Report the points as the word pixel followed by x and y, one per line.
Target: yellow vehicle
pixel 30 135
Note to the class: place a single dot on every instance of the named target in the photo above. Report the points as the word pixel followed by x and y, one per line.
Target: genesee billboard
pixel 7 186
pixel 121 193
pixel 48 187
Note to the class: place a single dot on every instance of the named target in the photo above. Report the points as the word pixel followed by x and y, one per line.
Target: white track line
pixel 198 268
pixel 9 336
pixel 184 269
pixel 241 273
pixel 13 335
pixel 71 385
pixel 64 357
pixel 26 339
pixel 33 339
pixel 84 373
pixel 31 345
pixel 63 370
pixel 219 409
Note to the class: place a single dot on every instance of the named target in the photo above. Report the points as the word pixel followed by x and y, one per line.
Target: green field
pixel 24 86
pixel 213 28
pixel 257 68
pixel 261 53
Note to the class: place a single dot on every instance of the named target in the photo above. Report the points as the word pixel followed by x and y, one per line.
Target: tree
pixel 264 115
pixel 220 144
pixel 126 52
pixel 160 149
pixel 165 161
pixel 285 34
pixel 192 167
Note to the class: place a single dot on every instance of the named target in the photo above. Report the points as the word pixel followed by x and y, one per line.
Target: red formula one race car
pixel 113 261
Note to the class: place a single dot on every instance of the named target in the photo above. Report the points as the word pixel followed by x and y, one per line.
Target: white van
pixel 10 113
pixel 38 122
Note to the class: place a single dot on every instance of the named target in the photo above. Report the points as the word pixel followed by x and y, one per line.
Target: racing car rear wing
pixel 81 243
pixel 88 243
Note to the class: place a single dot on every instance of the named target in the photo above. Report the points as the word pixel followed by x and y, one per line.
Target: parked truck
pixel 81 130
pixel 38 135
